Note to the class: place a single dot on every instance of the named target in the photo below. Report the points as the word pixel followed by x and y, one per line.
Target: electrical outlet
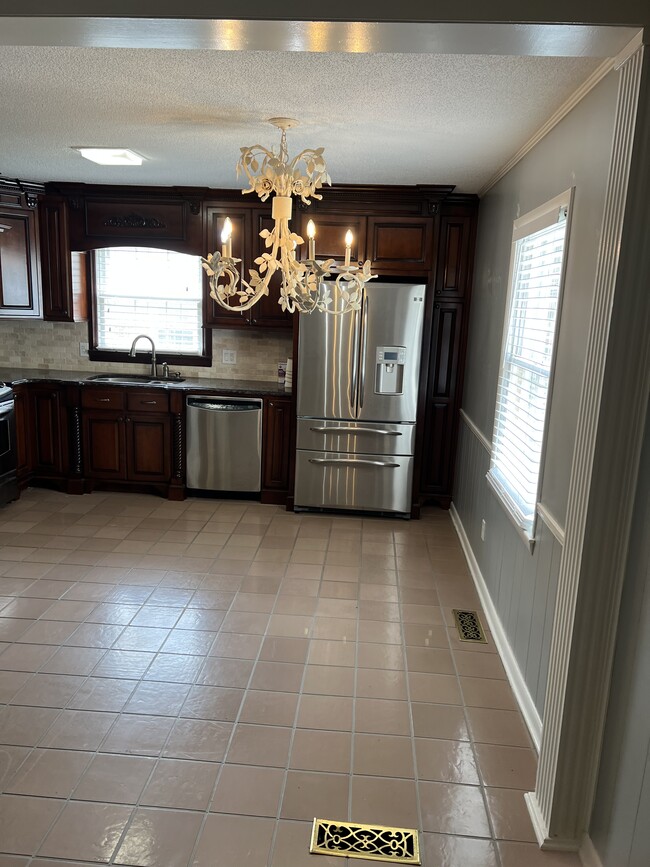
pixel 83 350
pixel 229 356
pixel 483 529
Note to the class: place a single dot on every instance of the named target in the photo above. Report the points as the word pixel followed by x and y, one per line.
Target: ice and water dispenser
pixel 389 372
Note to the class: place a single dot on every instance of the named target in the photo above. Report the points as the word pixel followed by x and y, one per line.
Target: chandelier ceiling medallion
pixel 303 286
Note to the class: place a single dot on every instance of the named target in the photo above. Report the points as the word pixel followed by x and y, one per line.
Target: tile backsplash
pixel 55 346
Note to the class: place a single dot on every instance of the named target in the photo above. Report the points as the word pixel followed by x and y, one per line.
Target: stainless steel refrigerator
pixel 357 401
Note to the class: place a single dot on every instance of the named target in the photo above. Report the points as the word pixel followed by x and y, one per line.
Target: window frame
pixel 530 223
pixel 122 356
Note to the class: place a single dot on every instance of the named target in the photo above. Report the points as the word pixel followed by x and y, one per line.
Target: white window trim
pixel 533 221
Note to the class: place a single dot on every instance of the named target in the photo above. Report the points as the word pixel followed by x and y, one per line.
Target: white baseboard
pixel 588 854
pixel 513 672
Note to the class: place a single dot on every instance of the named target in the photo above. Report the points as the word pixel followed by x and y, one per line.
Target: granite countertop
pixel 251 387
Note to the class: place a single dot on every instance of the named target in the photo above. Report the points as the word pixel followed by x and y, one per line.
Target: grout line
pixel 283 787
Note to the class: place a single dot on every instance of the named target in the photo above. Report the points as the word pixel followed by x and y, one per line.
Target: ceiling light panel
pixel 111 156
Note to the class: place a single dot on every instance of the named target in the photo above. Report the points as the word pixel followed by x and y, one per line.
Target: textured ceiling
pixel 382 118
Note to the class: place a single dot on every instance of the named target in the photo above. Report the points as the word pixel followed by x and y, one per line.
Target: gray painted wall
pixel 575 154
pixel 620 829
pixel 523 586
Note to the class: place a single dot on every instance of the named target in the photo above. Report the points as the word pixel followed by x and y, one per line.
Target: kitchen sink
pixel 130 378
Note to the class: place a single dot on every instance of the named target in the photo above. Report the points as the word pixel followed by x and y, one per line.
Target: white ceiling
pixel 386 118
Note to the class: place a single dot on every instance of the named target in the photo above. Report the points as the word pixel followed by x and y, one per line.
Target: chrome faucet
pixel 154 372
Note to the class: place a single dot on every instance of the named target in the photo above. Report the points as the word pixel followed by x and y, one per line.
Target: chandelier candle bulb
pixel 349 237
pixel 226 239
pixel 311 234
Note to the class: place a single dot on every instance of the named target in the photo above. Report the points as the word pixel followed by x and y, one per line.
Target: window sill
pixel 527 538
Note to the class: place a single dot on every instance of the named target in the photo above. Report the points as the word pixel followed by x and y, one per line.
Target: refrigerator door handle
pixel 362 353
pixel 348 462
pixel 355 367
pixel 357 430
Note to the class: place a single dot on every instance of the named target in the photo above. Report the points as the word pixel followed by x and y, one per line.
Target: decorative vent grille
pixel 371 842
pixel 469 626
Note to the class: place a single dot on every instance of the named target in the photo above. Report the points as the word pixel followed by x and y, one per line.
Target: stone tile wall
pixel 55 346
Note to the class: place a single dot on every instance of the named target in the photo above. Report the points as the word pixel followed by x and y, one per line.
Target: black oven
pixel 8 485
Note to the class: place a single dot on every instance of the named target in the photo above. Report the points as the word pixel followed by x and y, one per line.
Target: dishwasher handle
pixel 219 405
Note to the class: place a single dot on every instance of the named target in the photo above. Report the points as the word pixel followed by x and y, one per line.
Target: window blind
pixel 140 290
pixel 527 360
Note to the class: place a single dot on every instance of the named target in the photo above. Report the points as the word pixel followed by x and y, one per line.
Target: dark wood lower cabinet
pixel 23 435
pixel 276 449
pixel 148 448
pixel 49 456
pixel 104 451
pixel 122 446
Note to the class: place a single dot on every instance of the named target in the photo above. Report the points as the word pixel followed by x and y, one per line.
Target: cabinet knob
pixel 128 419
pixel 103 399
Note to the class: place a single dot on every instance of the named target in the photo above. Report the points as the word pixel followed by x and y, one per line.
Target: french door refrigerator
pixel 357 401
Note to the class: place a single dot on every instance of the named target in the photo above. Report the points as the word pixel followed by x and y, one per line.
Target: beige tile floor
pixel 191 683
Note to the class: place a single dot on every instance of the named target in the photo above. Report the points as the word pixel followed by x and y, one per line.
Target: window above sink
pixel 144 289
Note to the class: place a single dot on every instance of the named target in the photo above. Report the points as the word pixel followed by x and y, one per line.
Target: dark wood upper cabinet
pixel 330 235
pixel 400 245
pixel 453 270
pixel 20 292
pixel 267 312
pixel 215 217
pixel 63 273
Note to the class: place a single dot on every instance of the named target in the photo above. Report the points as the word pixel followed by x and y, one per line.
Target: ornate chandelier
pixel 303 286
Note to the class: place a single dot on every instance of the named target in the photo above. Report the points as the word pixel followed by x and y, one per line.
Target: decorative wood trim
pixel 551 523
pixel 513 672
pixel 76 440
pixel 178 446
pixel 484 441
pixel 595 78
pixel 593 557
pixel 134 221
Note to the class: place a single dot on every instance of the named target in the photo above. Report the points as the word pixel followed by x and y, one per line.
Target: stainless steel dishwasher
pixel 224 443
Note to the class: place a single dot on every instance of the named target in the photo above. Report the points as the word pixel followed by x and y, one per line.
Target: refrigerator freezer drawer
pixel 379 483
pixel 354 437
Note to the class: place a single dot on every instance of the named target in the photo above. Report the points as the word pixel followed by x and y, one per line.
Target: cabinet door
pixel 440 414
pixel 23 433
pixel 276 442
pixel 400 244
pixel 148 448
pixel 240 219
pixel 267 312
pixel 104 444
pixel 56 270
pixel 19 272
pixel 49 431
pixel 452 274
pixel 330 235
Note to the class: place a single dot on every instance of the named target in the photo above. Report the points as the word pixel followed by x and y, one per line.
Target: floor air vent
pixel 372 842
pixel 469 626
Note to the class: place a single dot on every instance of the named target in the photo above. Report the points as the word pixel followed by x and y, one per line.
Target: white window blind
pixel 140 290
pixel 536 276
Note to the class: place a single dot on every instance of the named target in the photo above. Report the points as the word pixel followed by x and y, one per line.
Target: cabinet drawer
pixel 102 398
pixel 147 401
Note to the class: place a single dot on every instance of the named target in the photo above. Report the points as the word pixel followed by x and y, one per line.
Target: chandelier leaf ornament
pixel 304 287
